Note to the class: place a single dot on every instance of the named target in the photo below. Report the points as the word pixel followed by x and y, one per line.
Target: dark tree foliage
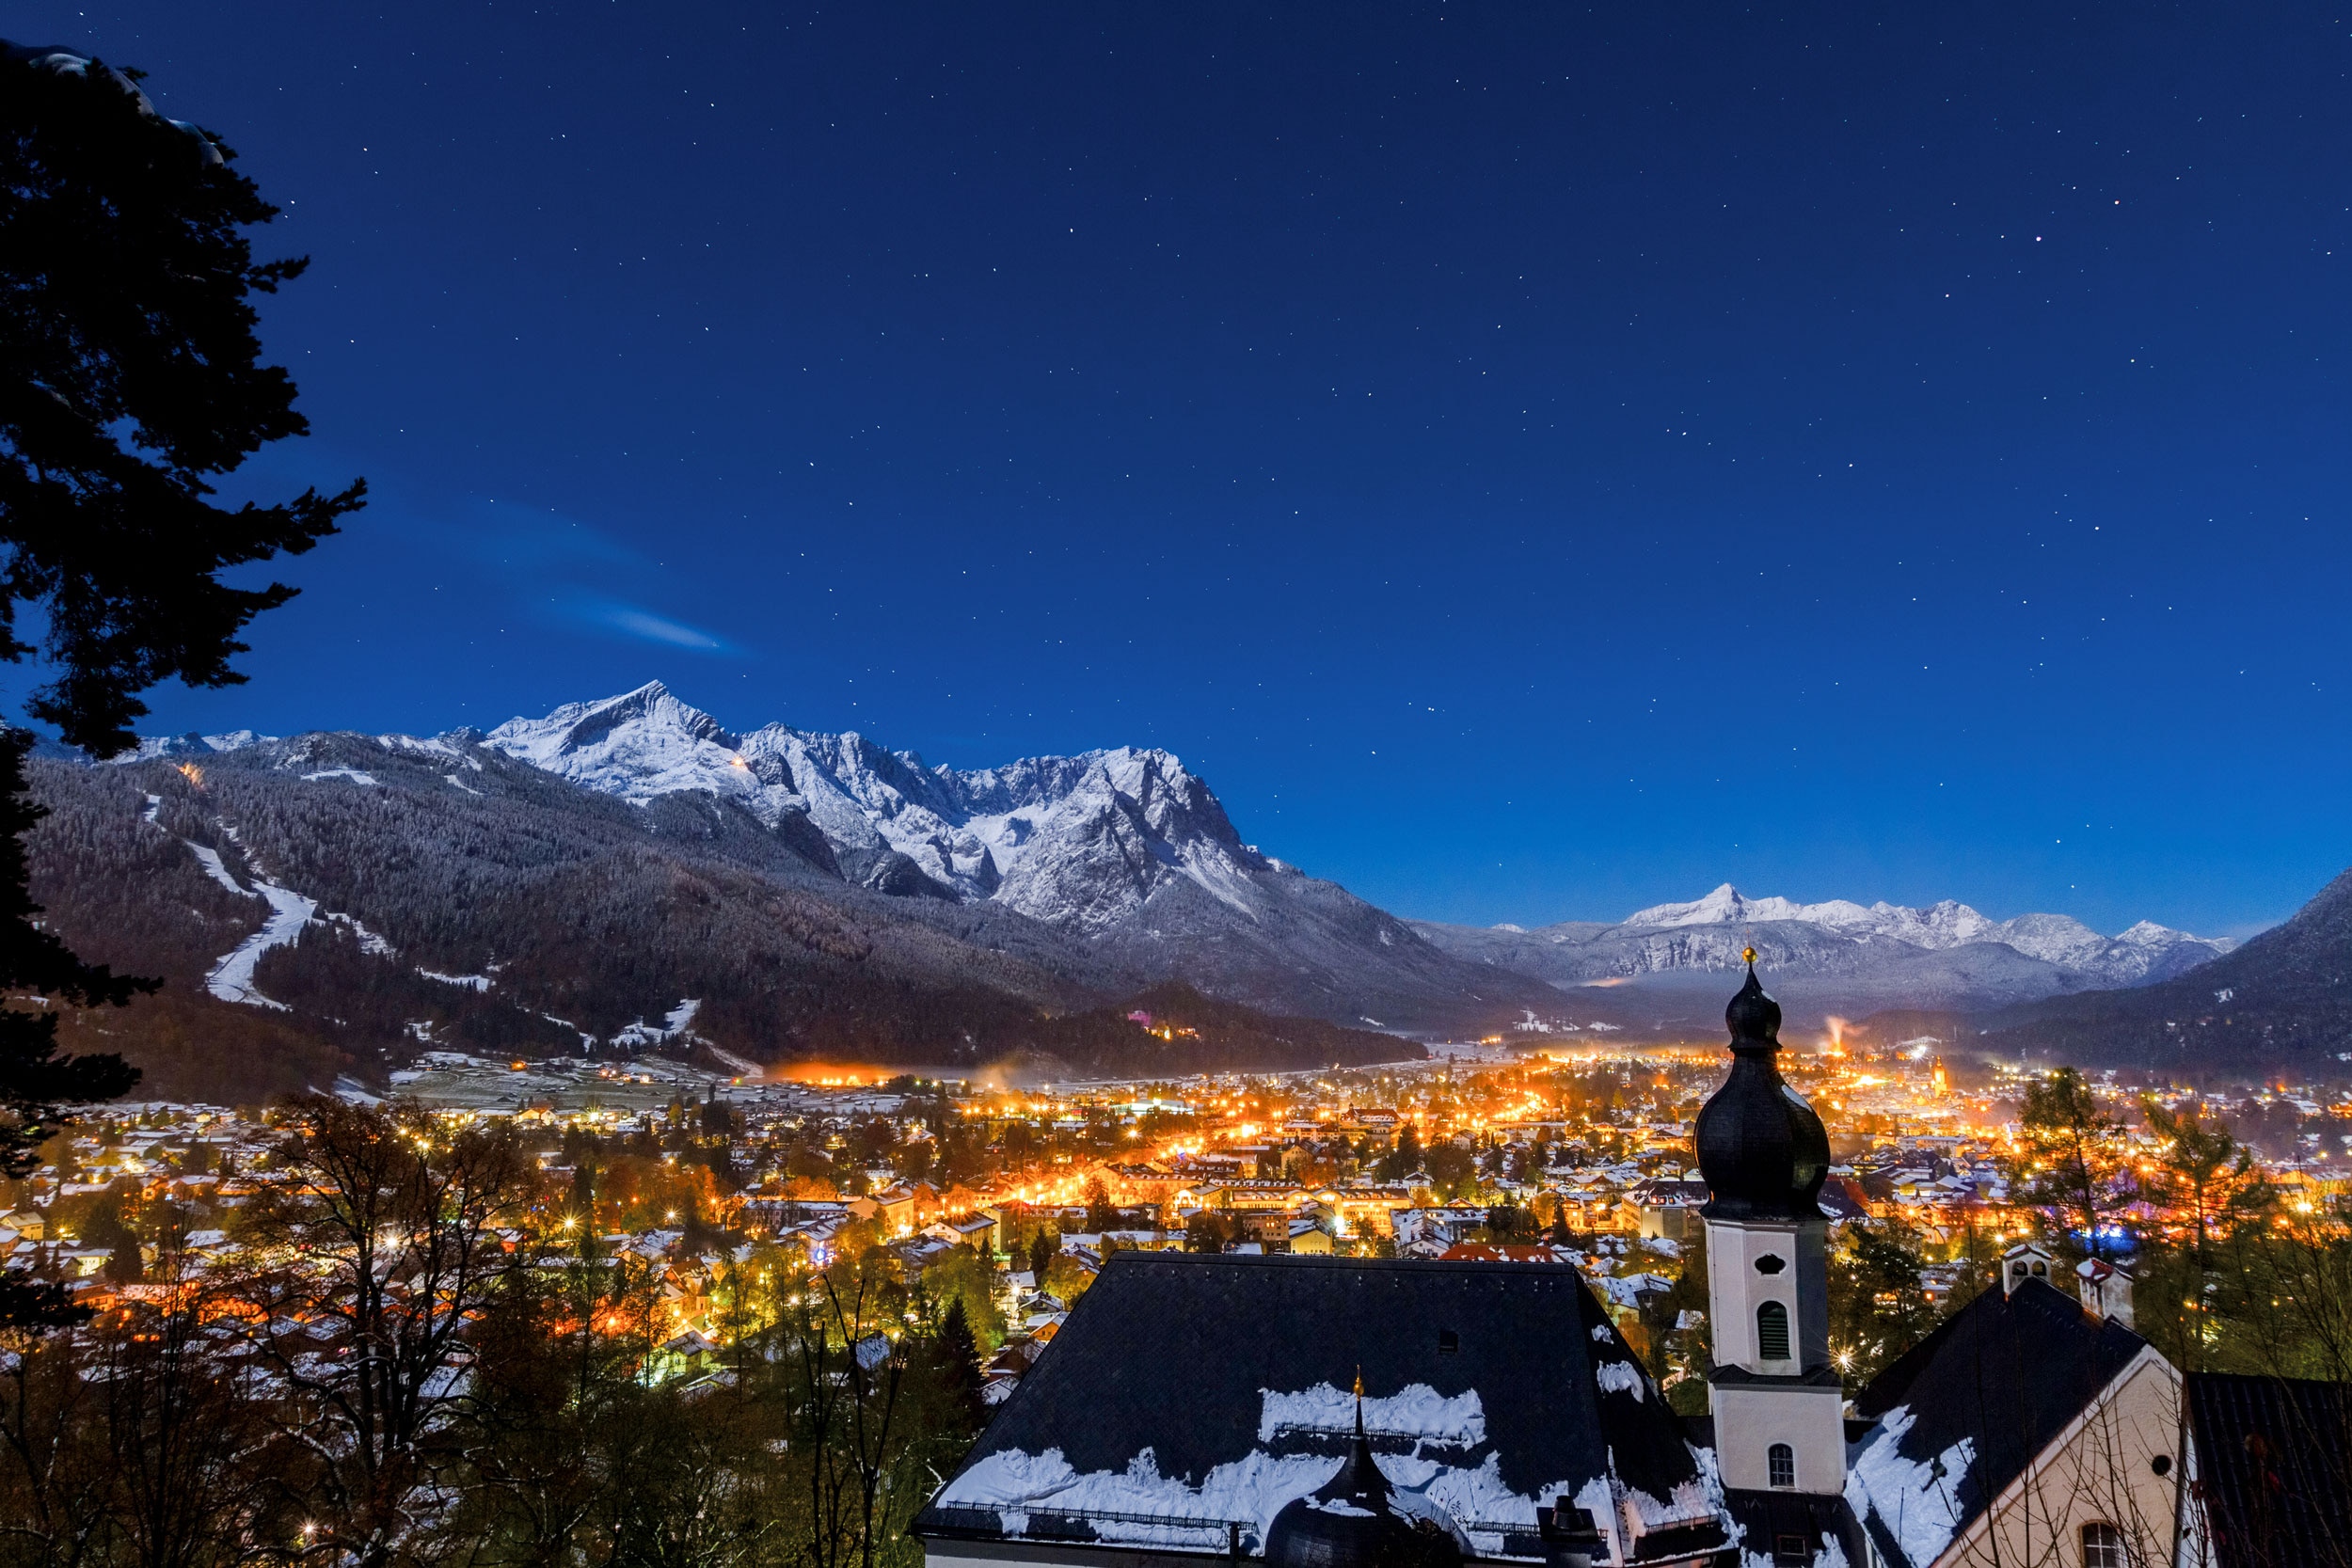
pixel 1100 1214
pixel 1507 1221
pixel 130 378
pixel 1403 1158
pixel 1878 1307
pixel 2075 1172
pixel 955 1359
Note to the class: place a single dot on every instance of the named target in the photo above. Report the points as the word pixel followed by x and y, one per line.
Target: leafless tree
pixel 378 1250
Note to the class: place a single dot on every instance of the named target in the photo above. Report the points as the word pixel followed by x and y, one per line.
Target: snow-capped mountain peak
pixel 1078 840
pixel 2055 939
pixel 636 745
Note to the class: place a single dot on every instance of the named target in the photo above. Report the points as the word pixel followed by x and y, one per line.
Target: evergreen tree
pixel 130 378
pixel 1042 1248
pixel 1403 1158
pixel 956 1358
pixel 1878 1309
pixel 2073 1165
pixel 584 1198
pixel 1101 1216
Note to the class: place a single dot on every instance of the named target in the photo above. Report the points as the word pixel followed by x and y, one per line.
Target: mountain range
pixel 2281 1000
pixel 1664 967
pixel 629 872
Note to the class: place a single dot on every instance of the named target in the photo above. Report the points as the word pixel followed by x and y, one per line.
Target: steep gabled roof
pixel 2274 1465
pixel 1961 1413
pixel 1213 1387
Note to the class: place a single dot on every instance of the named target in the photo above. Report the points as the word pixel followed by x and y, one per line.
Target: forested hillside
pixel 457 897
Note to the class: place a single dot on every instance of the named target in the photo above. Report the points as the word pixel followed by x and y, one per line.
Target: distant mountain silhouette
pixel 2283 1000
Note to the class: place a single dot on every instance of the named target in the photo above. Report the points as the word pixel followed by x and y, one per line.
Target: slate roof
pixel 2004 1374
pixel 2274 1465
pixel 1186 1355
pixel 1766 1518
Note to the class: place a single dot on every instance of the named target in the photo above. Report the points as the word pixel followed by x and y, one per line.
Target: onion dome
pixel 1762 1150
pixel 1353 1522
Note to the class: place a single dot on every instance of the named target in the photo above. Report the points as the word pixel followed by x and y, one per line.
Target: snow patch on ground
pixel 1417 1412
pixel 743 1064
pixel 675 1026
pixel 471 982
pixel 231 979
pixel 210 860
pixel 352 773
pixel 457 782
pixel 419 745
pixel 370 943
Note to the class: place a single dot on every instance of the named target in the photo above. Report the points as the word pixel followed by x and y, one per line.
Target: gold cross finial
pixel 1359 1382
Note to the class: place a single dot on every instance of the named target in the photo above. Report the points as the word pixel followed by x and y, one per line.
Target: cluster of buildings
pixel 1345 1413
pixel 1491 1203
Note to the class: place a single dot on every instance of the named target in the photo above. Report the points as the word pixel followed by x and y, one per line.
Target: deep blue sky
pixel 1533 463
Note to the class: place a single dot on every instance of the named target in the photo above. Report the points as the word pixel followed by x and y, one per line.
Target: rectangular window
pixel 2103 1547
pixel 1771 1332
pixel 1792 1551
pixel 1780 1461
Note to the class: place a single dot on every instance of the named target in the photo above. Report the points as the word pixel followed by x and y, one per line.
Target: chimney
pixel 2105 1290
pixel 2022 1262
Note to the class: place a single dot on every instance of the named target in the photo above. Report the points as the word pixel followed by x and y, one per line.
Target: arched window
pixel 2103 1547
pixel 1780 1461
pixel 1771 1332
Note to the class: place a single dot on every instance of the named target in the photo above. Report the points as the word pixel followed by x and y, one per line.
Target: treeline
pixel 411 1358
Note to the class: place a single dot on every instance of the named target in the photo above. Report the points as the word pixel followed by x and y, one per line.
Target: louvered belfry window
pixel 1771 1332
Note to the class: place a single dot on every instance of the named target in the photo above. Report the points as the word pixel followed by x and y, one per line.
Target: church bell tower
pixel 1778 1404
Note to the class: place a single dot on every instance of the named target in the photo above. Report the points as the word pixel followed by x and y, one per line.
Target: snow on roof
pixel 1415 1412
pixel 1917 1500
pixel 1186 1391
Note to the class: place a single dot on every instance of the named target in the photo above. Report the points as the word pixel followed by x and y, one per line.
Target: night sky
pixel 1533 463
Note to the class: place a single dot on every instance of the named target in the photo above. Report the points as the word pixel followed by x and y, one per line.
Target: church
pixel 1336 1413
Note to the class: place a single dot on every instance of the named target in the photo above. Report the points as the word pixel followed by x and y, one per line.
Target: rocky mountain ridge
pixel 1662 963
pixel 1051 883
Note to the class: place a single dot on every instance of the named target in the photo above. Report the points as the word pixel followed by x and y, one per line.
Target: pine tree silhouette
pixel 129 377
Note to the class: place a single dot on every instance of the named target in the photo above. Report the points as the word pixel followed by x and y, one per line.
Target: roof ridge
pixel 1314 1260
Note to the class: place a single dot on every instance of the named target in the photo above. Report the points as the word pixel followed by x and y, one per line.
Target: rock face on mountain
pixel 1124 850
pixel 1830 958
pixel 2283 1000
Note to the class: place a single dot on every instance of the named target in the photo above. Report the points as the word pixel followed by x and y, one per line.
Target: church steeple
pixel 1764 1153
pixel 1762 1150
